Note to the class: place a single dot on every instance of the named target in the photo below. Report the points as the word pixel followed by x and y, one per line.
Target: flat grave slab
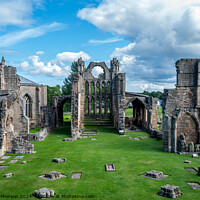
pixel 93 139
pixel 52 176
pixel 18 157
pixel 123 135
pixel 187 161
pixel 156 175
pixel 2 161
pixel 59 160
pixel 3 167
pixel 143 137
pixel 195 155
pixel 89 132
pixel 195 186
pixel 8 175
pixel 68 139
pixel 191 170
pixel 76 175
pixel 137 138
pixel 110 168
pixel 85 136
pixel 6 157
pixel 13 161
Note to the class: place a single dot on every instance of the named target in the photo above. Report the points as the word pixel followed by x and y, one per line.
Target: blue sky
pixel 42 38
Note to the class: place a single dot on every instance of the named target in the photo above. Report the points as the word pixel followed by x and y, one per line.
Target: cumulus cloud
pixel 14 37
pixel 17 12
pixel 59 67
pixel 72 56
pixel 160 32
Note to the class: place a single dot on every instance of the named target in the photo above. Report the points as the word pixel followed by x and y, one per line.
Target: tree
pixel 67 83
pixel 52 91
pixel 157 94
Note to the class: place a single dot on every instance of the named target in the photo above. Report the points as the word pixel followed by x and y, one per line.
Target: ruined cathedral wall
pixel 38 96
pixel 181 110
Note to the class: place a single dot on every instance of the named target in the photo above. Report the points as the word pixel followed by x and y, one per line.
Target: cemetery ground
pixel 130 157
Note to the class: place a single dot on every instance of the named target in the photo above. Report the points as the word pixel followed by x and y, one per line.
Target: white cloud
pixel 12 38
pixel 72 56
pixel 58 67
pixel 39 52
pixel 17 12
pixel 25 65
pixel 108 40
pixel 160 32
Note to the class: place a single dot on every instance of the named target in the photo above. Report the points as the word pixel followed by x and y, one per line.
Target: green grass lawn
pixel 34 130
pixel 131 158
pixel 129 112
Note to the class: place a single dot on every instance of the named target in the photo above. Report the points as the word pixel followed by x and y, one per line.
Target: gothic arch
pixel 28 105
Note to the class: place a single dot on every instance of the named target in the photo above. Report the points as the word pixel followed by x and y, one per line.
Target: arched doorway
pixel 186 126
pixel 63 110
pixel 136 117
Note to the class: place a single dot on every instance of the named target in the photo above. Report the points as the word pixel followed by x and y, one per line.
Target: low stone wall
pixel 155 134
pixel 40 135
pixel 21 146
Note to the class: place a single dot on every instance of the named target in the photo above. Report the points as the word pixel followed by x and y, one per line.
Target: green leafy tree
pixel 67 88
pixel 52 91
pixel 157 94
pixel 67 83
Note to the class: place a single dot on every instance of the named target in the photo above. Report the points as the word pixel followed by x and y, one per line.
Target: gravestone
pixel 170 191
pixel 194 155
pixel 136 138
pixel 195 186
pixel 24 162
pixel 93 138
pixel 76 175
pixel 85 136
pixel 59 160
pixel 18 157
pixel 3 167
pixel 8 175
pixel 187 161
pixel 110 168
pixel 191 170
pixel 68 139
pixel 6 157
pixel 2 161
pixel 52 175
pixel 153 174
pixel 13 161
pixel 43 193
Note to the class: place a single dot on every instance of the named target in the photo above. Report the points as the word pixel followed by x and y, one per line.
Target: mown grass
pixel 131 158
pixel 34 130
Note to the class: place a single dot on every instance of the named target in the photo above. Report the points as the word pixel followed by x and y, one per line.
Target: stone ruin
pixel 153 174
pixel 13 121
pixel 181 110
pixel 52 175
pixel 43 193
pixel 104 97
pixel 170 191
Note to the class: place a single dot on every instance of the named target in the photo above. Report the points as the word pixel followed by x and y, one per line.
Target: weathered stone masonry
pixel 181 109
pixel 105 97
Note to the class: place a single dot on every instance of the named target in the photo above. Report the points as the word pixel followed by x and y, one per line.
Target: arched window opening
pixel 92 88
pixel 97 105
pixel 108 87
pixel 103 106
pixel 92 106
pixel 28 106
pixel 86 106
pixel 108 105
pixel 98 72
pixel 97 88
pixel 103 88
pixel 86 88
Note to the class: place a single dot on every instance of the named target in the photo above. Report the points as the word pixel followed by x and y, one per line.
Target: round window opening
pixel 98 72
